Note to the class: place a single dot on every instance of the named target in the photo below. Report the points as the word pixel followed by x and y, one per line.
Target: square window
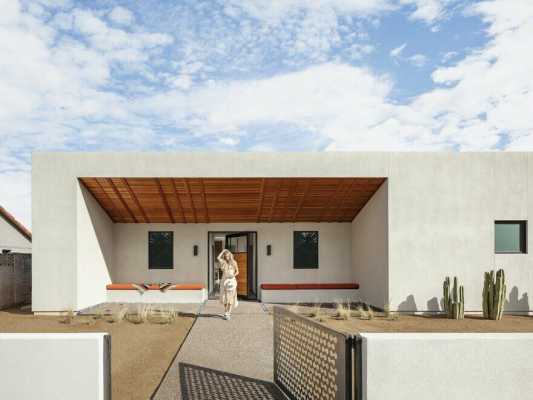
pixel 305 249
pixel 510 236
pixel 160 250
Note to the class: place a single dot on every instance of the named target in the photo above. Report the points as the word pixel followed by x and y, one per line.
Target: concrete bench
pixel 178 293
pixel 308 292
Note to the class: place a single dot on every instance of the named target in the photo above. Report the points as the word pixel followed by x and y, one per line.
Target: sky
pixel 260 75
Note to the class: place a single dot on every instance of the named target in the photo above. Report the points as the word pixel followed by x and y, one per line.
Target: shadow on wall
pixel 433 305
pixel 408 305
pixel 516 304
pixel 99 227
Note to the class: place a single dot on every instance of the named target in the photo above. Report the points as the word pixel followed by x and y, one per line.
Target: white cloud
pixel 428 11
pixel 418 60
pixel 397 51
pixel 61 85
pixel 121 16
pixel 449 55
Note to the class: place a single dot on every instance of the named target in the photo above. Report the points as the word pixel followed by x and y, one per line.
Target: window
pixel 305 249
pixel 510 236
pixel 160 250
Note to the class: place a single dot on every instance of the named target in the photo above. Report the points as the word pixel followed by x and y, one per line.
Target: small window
pixel 510 236
pixel 305 249
pixel 160 250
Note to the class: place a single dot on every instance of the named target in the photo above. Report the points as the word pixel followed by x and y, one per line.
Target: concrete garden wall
pixel 52 366
pixel 443 366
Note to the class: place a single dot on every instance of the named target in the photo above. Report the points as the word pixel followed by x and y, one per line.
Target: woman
pixel 228 287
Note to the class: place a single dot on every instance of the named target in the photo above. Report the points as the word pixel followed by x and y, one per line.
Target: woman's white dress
pixel 228 286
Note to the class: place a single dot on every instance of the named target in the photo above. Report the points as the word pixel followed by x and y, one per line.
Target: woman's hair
pixel 231 258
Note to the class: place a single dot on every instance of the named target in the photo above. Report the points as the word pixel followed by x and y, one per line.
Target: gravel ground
pixel 224 359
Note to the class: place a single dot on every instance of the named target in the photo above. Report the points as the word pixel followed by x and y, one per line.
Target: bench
pixel 179 293
pixel 308 292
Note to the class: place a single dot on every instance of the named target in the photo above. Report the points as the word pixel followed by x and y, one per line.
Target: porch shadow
pixel 200 383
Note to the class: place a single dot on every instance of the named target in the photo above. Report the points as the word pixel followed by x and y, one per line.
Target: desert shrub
pixel 362 313
pixel 160 316
pixel 68 317
pixel 117 316
pixel 343 311
pixel 388 314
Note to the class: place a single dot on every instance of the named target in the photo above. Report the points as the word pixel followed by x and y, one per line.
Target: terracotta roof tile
pixel 16 224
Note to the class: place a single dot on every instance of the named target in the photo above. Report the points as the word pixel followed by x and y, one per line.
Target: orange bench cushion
pixel 308 286
pixel 129 286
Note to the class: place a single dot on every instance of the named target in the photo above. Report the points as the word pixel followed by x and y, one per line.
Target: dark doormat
pixel 200 383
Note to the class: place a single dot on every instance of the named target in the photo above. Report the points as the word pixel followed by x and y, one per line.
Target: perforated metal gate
pixel 311 361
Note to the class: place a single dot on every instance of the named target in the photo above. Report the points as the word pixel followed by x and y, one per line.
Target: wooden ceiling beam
pixel 275 200
pixel 122 201
pixel 302 200
pixel 164 198
pixel 330 201
pixel 178 201
pixel 105 195
pixel 261 199
pixel 348 191
pixel 188 190
pixel 202 187
pixel 292 184
pixel 136 200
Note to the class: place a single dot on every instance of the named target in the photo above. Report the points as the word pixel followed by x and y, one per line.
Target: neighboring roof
pixel 15 224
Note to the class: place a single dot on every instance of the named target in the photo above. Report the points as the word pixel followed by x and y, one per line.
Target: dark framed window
pixel 305 249
pixel 510 237
pixel 160 250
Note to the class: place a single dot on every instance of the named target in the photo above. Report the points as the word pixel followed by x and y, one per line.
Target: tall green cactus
pixel 494 292
pixel 454 299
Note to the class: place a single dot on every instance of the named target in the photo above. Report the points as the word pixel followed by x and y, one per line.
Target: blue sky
pixel 260 75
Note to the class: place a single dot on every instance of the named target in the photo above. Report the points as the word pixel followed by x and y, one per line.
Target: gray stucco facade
pixel 433 217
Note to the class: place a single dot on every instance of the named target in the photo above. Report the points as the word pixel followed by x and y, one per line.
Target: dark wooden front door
pixel 239 244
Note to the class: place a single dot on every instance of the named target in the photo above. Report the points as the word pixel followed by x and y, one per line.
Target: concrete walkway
pixel 224 359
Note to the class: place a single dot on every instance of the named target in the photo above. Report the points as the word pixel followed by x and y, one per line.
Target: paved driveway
pixel 224 359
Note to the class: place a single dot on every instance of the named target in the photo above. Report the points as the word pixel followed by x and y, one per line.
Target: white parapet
pixel 308 295
pixel 156 296
pixel 55 366
pixel 443 366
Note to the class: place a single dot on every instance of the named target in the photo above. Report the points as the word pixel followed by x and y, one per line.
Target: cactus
pixel 494 292
pixel 454 299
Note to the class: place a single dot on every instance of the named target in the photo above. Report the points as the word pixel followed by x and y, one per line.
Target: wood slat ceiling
pixel 204 200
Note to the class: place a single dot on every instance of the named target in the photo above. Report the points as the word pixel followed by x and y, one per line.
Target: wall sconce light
pixel 269 249
pixel 195 250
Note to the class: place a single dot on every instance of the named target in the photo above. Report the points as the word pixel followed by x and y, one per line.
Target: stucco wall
pixel 11 239
pixel 370 252
pixel 95 251
pixel 131 252
pixel 442 208
pixel 442 366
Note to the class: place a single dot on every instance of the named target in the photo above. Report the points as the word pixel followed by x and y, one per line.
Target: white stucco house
pixel 381 227
pixel 14 236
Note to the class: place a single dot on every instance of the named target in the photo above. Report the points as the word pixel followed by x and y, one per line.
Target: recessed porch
pixel 125 209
